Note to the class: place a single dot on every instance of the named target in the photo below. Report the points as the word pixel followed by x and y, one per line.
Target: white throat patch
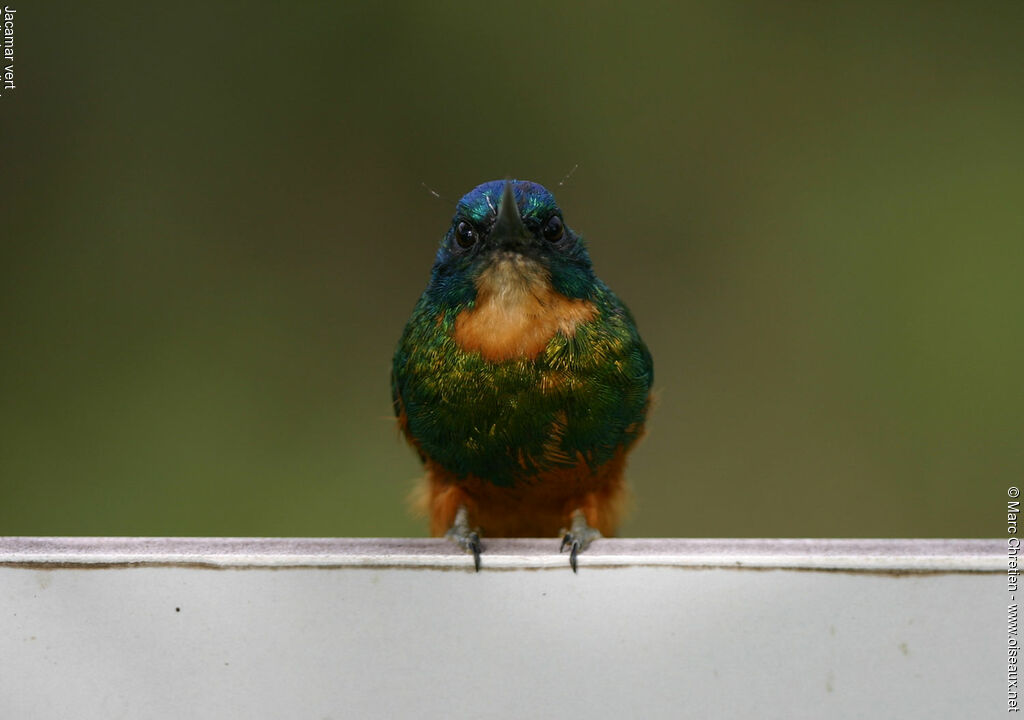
pixel 512 281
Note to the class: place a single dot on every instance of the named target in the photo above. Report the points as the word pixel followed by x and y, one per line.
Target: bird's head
pixel 508 236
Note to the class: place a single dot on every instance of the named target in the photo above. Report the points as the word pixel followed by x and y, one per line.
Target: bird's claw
pixel 578 537
pixel 466 538
pixel 570 541
pixel 469 541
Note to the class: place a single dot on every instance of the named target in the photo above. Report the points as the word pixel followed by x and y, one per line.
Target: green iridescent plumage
pixel 583 396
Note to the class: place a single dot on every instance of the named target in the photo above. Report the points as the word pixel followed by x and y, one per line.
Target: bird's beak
pixel 508 231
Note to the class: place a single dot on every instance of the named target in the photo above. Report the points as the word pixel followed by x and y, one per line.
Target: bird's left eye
pixel 553 229
pixel 465 234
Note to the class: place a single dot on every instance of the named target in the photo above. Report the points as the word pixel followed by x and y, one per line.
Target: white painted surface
pixel 379 628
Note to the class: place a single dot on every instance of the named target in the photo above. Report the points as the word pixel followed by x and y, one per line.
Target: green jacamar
pixel 520 378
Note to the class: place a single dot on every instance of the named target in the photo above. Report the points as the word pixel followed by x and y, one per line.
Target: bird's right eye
pixel 465 234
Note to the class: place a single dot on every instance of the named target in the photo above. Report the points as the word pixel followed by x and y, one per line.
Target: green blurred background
pixel 214 228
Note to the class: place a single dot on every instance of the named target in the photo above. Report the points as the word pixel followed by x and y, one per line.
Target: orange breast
pixel 517 312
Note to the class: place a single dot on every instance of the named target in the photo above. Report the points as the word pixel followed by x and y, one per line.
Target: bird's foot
pixel 579 536
pixel 465 537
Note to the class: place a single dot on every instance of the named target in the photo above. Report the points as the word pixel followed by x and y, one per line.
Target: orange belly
pixel 540 507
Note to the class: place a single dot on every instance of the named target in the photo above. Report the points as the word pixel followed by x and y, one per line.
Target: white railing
pixel 389 628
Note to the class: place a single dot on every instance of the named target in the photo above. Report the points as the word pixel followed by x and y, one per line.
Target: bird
pixel 520 378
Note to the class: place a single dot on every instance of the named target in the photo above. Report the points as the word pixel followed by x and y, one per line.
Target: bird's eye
pixel 465 234
pixel 553 229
